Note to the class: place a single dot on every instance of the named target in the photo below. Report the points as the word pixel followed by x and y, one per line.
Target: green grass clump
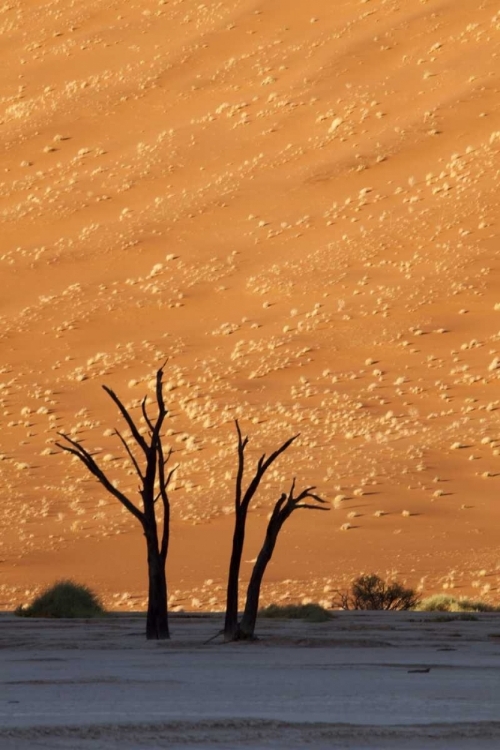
pixel 64 599
pixel 446 603
pixel 308 612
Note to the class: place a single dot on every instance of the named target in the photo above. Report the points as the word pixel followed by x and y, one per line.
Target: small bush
pixel 372 592
pixel 308 612
pixel 446 603
pixel 64 599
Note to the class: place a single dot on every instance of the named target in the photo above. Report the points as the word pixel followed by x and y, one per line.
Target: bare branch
pixel 292 488
pixel 221 632
pixel 164 482
pixel 242 444
pixel 238 430
pixel 262 466
pixel 317 498
pixel 283 499
pixel 155 453
pixel 130 455
pixel 145 414
pixel 312 507
pixel 170 475
pixel 162 411
pixel 306 490
pixel 128 419
pixel 159 389
pixel 305 494
pixel 272 458
pixel 86 458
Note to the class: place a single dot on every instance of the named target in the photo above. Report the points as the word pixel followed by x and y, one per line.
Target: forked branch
pixel 131 456
pixel 128 419
pixel 87 459
pixel 242 500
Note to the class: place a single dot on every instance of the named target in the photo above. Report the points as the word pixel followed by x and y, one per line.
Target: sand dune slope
pixel 298 206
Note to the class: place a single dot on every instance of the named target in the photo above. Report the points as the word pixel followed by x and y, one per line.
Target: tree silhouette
pixel 283 509
pixel 154 481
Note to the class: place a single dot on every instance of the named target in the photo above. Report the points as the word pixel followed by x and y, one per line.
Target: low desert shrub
pixel 309 612
pixel 456 616
pixel 447 603
pixel 372 592
pixel 64 599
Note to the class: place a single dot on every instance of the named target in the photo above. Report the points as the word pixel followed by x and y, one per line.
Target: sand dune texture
pixel 297 204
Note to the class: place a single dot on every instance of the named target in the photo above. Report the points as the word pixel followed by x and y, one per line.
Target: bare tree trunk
pixel 157 616
pixel 249 619
pixel 231 627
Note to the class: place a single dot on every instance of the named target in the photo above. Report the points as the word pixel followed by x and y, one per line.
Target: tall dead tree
pixel 283 509
pixel 154 481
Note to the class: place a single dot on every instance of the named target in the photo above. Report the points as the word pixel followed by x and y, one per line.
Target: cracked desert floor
pixel 297 204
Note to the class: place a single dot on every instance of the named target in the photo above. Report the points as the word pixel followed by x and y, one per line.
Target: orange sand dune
pixel 297 204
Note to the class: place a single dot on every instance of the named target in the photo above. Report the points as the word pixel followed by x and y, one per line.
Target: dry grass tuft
pixel 308 612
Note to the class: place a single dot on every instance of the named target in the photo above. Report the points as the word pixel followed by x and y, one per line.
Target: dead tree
pixel 154 481
pixel 283 509
pixel 241 503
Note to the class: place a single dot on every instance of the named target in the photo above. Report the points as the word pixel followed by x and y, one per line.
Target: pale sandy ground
pixel 350 683
pixel 297 203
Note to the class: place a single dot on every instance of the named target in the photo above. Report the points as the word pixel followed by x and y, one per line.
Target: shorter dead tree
pixel 283 509
pixel 154 481
pixel 285 506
